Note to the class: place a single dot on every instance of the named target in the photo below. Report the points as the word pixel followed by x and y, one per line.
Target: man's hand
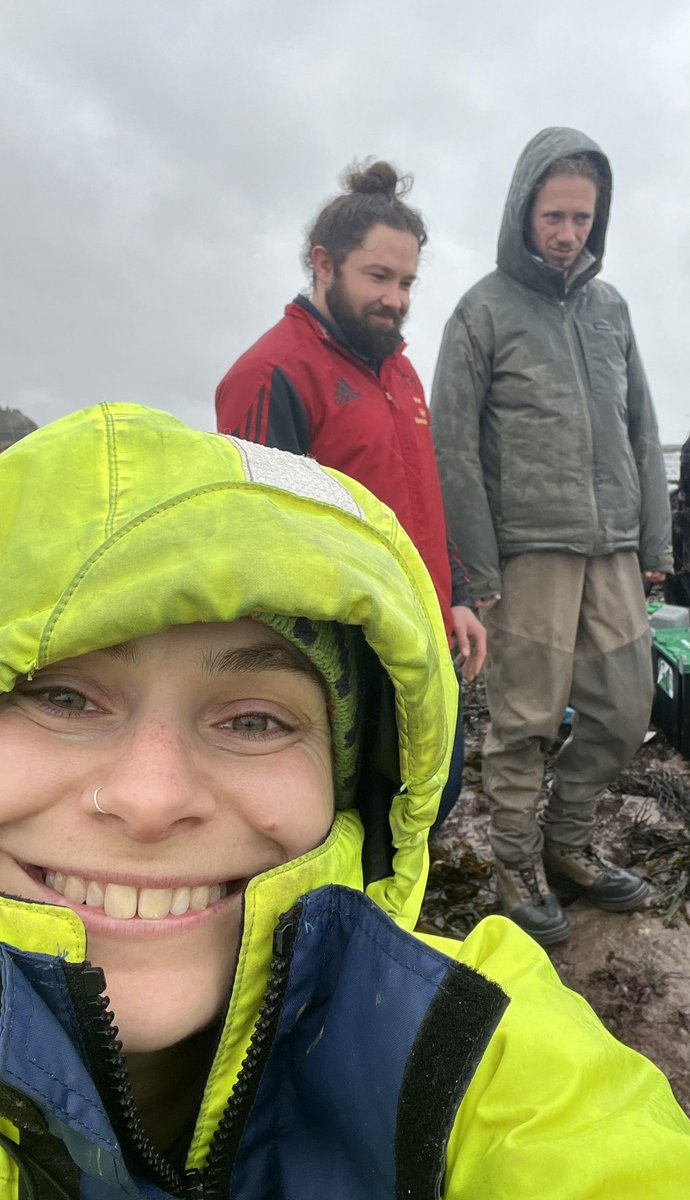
pixel 471 637
pixel 655 576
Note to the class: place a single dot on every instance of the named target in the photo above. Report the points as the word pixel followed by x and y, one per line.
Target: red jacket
pixel 300 389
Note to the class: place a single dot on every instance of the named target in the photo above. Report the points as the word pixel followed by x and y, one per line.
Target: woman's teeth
pixel 123 902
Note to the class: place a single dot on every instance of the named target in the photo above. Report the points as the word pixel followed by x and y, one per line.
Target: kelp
pixel 659 840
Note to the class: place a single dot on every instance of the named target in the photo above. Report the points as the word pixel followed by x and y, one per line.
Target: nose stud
pixel 95 800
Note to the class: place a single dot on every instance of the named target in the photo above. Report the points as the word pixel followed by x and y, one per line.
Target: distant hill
pixel 13 426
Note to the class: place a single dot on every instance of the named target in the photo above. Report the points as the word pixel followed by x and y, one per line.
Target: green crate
pixel 674 644
pixel 671 711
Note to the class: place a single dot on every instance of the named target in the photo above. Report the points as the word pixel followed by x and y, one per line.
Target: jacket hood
pixel 514 255
pixel 119 521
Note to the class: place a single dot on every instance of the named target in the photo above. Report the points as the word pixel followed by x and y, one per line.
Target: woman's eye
pixel 253 723
pixel 66 699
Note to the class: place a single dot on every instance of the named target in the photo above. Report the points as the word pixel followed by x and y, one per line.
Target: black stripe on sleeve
pixel 451 1040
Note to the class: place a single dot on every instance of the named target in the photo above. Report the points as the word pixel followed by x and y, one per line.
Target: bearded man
pixel 331 380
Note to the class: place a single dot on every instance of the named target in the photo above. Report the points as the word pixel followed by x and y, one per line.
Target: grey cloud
pixel 161 160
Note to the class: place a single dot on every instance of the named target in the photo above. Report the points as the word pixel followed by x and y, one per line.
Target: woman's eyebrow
pixel 124 652
pixel 256 658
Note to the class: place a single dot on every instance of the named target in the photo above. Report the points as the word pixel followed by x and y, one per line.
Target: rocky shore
pixel 633 968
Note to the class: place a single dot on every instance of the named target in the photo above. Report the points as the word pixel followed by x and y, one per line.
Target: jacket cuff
pixel 480 589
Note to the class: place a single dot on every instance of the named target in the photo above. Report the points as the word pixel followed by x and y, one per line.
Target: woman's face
pixel 210 747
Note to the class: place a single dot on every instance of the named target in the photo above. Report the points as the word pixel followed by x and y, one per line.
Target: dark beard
pixel 366 339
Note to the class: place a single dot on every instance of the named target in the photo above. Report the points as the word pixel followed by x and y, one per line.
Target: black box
pixel 671 711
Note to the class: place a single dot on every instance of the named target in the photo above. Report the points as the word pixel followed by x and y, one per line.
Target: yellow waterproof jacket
pixel 119 521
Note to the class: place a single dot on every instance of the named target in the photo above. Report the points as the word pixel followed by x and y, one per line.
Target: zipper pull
pixel 194 1189
pixel 93 981
pixel 284 932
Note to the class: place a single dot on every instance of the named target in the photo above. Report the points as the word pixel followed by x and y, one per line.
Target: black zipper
pixel 226 1140
pixel 106 1063
pixel 103 1050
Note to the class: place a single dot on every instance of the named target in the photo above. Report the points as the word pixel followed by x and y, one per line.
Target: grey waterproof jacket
pixel 544 427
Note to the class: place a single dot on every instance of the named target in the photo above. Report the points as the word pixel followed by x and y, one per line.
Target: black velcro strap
pixel 458 1026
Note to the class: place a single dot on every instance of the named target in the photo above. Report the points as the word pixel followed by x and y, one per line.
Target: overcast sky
pixel 161 158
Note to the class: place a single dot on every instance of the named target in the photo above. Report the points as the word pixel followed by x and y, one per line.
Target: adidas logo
pixel 344 392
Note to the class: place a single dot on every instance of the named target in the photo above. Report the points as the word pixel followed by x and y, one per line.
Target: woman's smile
pixel 151 901
pixel 109 906
pixel 124 902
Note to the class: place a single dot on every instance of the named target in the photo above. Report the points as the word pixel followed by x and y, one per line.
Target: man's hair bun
pixel 373 195
pixel 378 178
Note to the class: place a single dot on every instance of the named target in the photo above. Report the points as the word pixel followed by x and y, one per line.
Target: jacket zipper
pixel 226 1139
pixel 107 1065
pixel 583 396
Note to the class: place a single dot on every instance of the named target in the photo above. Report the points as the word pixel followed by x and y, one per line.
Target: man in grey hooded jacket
pixel 555 493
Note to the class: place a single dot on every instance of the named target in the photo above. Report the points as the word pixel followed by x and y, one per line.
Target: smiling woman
pixel 211 731
pixel 225 724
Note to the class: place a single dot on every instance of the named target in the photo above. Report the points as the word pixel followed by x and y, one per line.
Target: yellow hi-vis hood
pixel 119 521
